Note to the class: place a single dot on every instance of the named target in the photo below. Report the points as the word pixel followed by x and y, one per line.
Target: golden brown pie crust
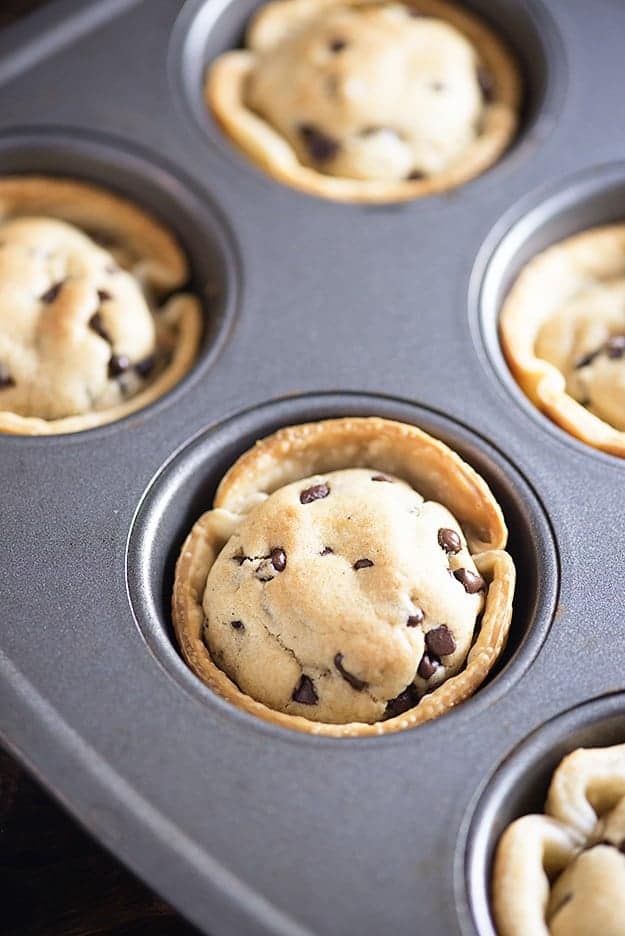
pixel 313 448
pixel 547 281
pixel 224 93
pixel 142 247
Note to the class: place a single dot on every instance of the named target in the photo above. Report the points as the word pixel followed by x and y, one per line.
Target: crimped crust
pixel 297 452
pixel 225 95
pixel 555 873
pixel 547 282
pixel 143 248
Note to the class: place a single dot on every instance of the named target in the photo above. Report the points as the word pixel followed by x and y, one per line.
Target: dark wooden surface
pixel 54 879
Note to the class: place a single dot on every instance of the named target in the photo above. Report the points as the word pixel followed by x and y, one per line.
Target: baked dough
pixel 563 874
pixel 361 100
pixel 87 334
pixel 563 333
pixel 333 598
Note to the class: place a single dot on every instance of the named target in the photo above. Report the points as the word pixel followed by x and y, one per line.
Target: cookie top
pixel 371 92
pixel 563 874
pixel 563 333
pixel 76 332
pixel 585 340
pixel 338 599
pixel 365 100
pixel 341 592
pixel 84 340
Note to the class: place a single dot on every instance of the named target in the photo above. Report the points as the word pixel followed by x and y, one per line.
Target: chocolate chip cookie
pixel 350 579
pixel 362 100
pixel 563 873
pixel 563 333
pixel 92 326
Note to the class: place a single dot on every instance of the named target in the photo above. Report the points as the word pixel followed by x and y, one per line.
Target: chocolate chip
pixel 278 559
pixel 415 175
pixel 6 380
pixel 449 540
pixel 403 702
pixel 326 551
pixel 145 367
pixel 415 619
pixel 381 477
pixel 440 641
pixel 337 45
pixel 238 625
pixel 51 294
pixel 427 666
pixel 305 692
pixel 104 295
pixel 615 347
pixel 486 83
pixel 362 564
pixel 585 360
pixel 472 582
pixel 316 492
pixel 97 325
pixel 118 364
pixel 322 148
pixel 355 683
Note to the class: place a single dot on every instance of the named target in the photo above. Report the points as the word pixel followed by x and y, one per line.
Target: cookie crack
pixel 278 639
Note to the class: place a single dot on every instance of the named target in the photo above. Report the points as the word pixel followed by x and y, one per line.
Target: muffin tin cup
pixel 519 786
pixel 207 28
pixel 244 826
pixel 143 178
pixel 185 486
pixel 589 199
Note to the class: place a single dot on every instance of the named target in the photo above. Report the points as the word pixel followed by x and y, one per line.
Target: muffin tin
pixel 317 309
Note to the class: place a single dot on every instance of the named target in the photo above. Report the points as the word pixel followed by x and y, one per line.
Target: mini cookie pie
pixel 368 101
pixel 92 326
pixel 350 579
pixel 563 874
pixel 563 333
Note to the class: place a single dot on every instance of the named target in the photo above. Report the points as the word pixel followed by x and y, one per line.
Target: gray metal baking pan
pixel 312 309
